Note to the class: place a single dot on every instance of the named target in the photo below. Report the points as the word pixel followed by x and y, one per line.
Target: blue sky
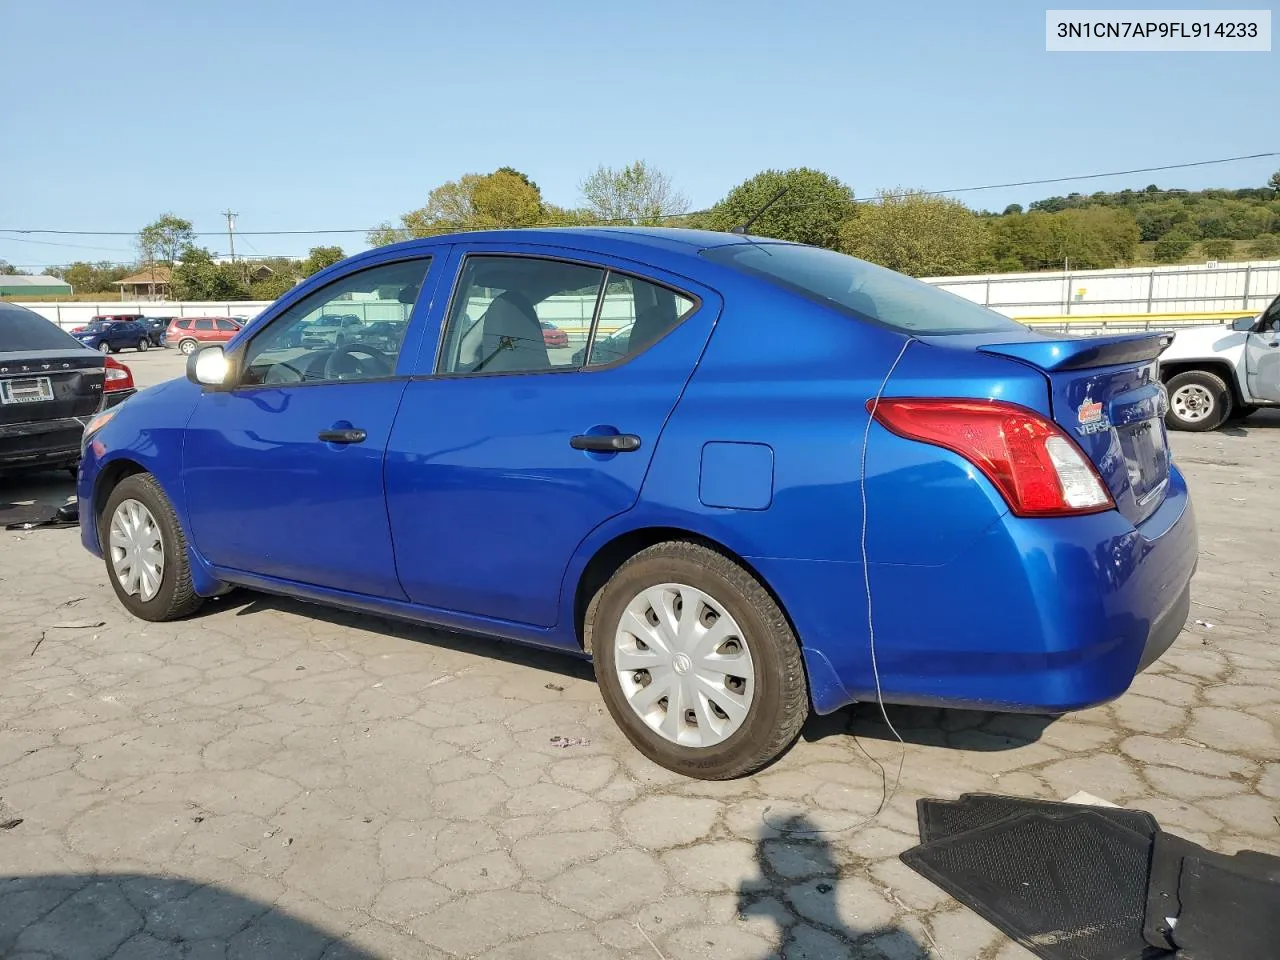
pixel 306 114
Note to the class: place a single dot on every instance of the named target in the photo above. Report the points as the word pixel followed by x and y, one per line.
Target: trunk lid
pixel 1105 392
pixel 38 385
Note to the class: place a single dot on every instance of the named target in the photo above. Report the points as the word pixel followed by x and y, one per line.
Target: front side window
pixel 862 288
pixel 227 326
pixel 635 313
pixel 519 315
pixel 321 337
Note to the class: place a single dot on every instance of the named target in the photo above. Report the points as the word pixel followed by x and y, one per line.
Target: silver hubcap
pixel 104 347
pixel 1192 402
pixel 684 665
pixel 137 551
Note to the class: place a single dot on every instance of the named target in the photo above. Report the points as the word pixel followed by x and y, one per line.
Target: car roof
pixel 632 242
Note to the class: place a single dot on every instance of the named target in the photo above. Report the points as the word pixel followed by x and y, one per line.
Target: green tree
pixel 320 257
pixel 1089 239
pixel 197 277
pixel 811 211
pixel 9 270
pixel 165 240
pixel 1013 208
pixel 1217 249
pixel 91 277
pixel 915 233
pixel 1264 248
pixel 634 194
pixel 1274 181
pixel 504 198
pixel 1173 247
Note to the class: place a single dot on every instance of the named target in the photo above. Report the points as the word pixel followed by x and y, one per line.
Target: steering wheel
pixel 342 362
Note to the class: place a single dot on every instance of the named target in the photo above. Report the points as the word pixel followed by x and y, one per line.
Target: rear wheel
pixel 145 551
pixel 697 664
pixel 188 347
pixel 1198 401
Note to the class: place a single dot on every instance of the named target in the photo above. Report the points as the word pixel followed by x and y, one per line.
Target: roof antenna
pixel 756 216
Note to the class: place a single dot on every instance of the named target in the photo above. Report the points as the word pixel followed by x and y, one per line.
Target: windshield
pixel 22 329
pixel 862 288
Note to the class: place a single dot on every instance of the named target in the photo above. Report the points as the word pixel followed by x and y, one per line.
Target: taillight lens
pixel 1036 467
pixel 118 377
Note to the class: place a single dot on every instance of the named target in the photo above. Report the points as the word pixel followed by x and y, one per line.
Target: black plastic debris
pixel 1076 882
pixel 67 515
pixel 942 818
pixel 1065 886
pixel 1170 920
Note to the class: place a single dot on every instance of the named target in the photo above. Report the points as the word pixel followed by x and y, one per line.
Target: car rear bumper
pixel 1038 615
pixel 46 443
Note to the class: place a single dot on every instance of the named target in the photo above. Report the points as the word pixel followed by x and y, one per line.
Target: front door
pixel 283 473
pixel 1262 357
pixel 527 436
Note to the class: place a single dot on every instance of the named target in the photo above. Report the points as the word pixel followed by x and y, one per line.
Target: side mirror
pixel 209 367
pixel 1243 324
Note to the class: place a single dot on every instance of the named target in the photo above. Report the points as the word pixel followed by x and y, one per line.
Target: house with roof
pixel 149 283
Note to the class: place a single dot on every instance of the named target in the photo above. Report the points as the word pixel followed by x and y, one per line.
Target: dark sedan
pixel 50 387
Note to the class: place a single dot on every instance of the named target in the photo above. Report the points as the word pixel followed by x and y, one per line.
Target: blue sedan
pixel 802 481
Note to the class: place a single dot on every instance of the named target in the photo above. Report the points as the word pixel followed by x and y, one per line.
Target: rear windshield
pixel 25 330
pixel 862 288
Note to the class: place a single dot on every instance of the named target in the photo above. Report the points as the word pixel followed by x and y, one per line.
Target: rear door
pixel 1262 357
pixel 507 453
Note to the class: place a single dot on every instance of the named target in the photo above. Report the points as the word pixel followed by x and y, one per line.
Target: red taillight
pixel 118 377
pixel 1036 467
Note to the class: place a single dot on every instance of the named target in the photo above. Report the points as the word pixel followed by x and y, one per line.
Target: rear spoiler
pixel 1077 353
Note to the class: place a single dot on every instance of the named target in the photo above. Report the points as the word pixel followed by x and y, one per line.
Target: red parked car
pixel 553 336
pixel 191 332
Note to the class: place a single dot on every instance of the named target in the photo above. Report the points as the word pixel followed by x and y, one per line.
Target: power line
pixel 607 222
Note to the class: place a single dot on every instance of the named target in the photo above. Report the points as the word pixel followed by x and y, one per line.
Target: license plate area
pixel 26 390
pixel 1146 455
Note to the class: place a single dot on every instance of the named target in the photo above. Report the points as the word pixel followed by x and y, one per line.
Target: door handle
pixel 349 435
pixel 605 442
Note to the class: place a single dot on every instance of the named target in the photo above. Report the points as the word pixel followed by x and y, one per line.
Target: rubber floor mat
pixel 1066 887
pixel 1226 914
pixel 1169 854
pixel 942 818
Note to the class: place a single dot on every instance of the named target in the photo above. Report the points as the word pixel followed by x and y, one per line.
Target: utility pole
pixel 231 231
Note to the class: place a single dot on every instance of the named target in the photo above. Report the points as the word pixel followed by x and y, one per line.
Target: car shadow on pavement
pixel 96 916
pixel 806 891
pixel 566 664
pixel 31 495
pixel 978 730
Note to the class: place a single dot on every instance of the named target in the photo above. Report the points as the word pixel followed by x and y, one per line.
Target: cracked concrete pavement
pixel 275 780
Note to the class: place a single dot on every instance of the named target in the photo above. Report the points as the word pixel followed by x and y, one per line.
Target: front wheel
pixel 145 551
pixel 697 664
pixel 1198 401
pixel 187 347
pixel 143 345
pixel 104 347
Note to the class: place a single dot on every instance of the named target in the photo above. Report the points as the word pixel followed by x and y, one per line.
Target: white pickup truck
pixel 1221 373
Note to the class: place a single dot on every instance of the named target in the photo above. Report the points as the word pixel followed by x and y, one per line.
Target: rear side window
pixel 635 314
pixel 204 324
pixel 496 323
pixel 862 288
pixel 22 329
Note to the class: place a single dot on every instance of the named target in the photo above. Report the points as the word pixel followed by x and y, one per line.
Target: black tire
pixel 187 347
pixel 779 704
pixel 1212 399
pixel 1242 412
pixel 143 344
pixel 176 598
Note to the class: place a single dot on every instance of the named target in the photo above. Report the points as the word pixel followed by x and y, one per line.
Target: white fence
pixel 1247 287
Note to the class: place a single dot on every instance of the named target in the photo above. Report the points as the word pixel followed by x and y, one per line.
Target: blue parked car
pixel 111 336
pixel 804 481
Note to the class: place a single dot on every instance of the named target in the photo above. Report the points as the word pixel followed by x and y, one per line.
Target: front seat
pixel 512 340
